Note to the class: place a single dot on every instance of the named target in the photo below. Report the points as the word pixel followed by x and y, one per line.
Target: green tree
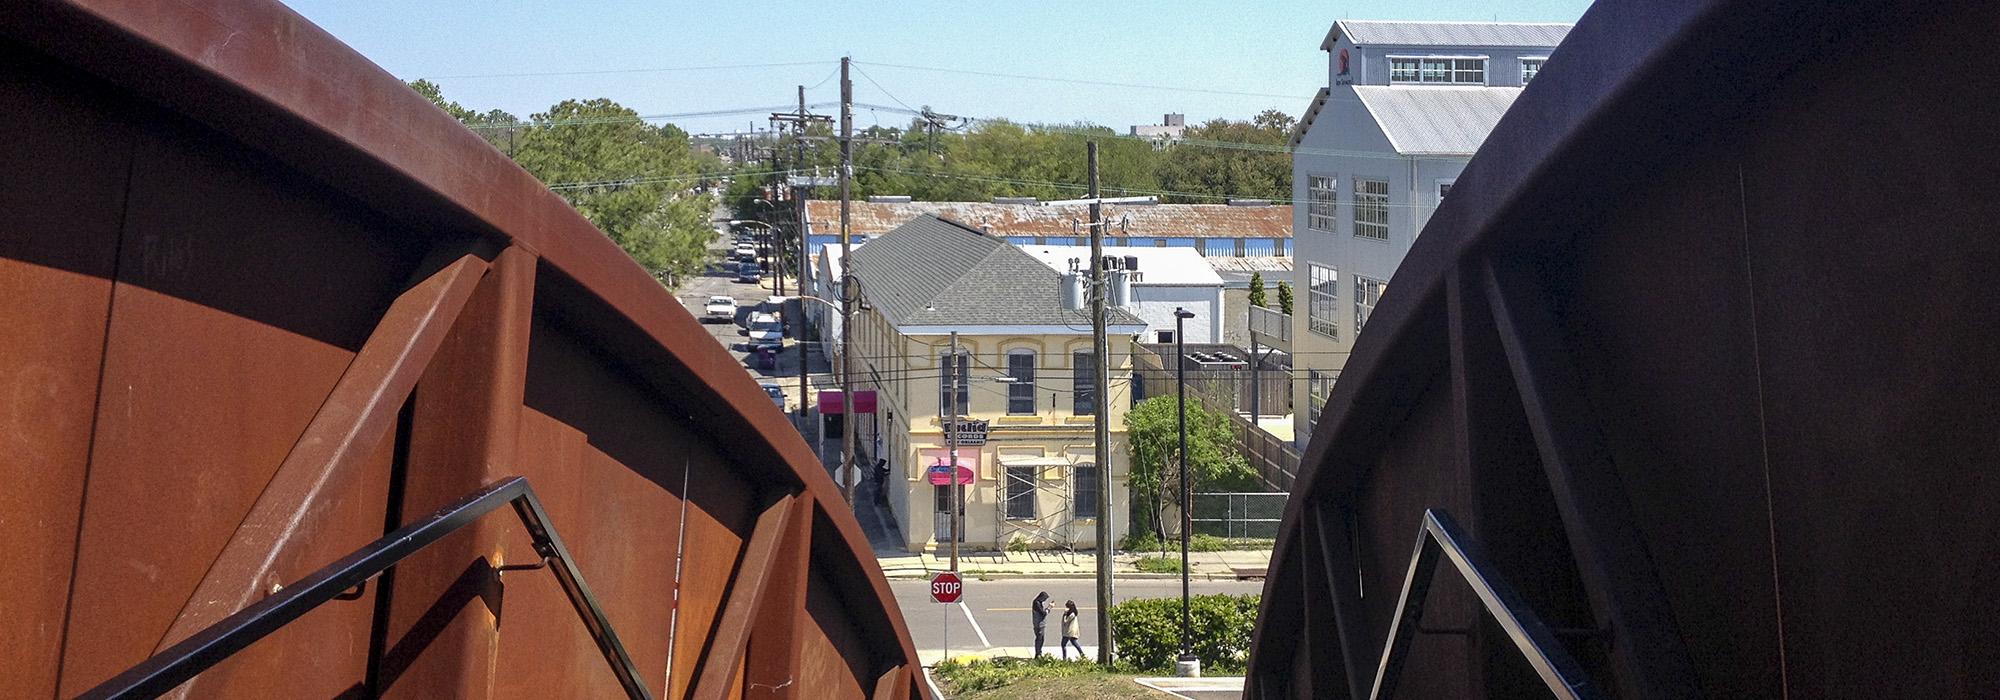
pixel 1200 164
pixel 1257 289
pixel 636 182
pixel 1152 435
pixel 1285 298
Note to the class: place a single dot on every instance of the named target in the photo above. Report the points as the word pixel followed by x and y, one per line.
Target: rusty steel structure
pixel 1691 380
pixel 261 304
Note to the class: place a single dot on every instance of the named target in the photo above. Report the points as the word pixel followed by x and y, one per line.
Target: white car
pixel 766 329
pixel 719 309
pixel 776 393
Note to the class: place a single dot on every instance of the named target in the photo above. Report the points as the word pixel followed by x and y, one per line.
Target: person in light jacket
pixel 1071 629
pixel 1039 612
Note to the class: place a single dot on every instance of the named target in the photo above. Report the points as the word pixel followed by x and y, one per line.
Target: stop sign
pixel 946 587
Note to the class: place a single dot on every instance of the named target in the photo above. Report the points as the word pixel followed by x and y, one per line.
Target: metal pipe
pixel 1187 482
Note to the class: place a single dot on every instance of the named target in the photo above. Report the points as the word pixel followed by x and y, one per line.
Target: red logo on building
pixel 1343 61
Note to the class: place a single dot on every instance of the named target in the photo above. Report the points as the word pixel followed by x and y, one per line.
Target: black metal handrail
pixel 1439 535
pixel 179 663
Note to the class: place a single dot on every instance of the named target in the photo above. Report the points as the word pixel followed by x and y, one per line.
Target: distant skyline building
pixel 1405 107
pixel 1170 127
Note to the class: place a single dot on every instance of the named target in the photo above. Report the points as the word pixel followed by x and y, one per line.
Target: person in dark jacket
pixel 1039 611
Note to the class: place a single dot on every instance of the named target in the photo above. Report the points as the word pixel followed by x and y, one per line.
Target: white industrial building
pixel 1405 107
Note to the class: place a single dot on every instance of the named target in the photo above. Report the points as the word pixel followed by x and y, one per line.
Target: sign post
pixel 946 587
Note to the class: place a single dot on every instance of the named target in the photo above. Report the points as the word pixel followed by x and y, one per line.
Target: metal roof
pixel 1149 221
pixel 1470 34
pixel 933 272
pixel 1436 120
pixel 1157 266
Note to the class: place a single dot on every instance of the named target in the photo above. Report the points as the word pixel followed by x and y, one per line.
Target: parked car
pixel 749 273
pixel 766 329
pixel 744 251
pixel 719 308
pixel 763 357
pixel 776 393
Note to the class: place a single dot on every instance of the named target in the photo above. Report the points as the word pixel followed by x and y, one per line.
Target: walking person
pixel 1071 629
pixel 1039 610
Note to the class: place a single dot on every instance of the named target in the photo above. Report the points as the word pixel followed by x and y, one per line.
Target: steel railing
pixel 183 661
pixel 1440 536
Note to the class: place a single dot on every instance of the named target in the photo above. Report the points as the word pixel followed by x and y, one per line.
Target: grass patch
pixel 1047 677
pixel 1159 565
pixel 1145 542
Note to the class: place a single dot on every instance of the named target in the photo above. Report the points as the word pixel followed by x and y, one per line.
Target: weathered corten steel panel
pixel 236 208
pixel 1701 350
pixel 57 292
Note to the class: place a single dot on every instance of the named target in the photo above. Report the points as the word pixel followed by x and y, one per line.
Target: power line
pixel 1081 81
pixel 619 119
pixel 616 71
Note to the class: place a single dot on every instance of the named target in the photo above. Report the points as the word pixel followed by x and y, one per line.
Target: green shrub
pixel 1149 632
pixel 1140 542
pixel 987 674
pixel 1017 545
pixel 1159 565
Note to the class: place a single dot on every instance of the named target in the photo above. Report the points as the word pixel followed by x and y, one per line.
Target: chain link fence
pixel 1239 515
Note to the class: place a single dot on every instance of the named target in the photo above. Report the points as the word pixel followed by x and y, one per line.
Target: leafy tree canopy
pixel 1152 434
pixel 638 183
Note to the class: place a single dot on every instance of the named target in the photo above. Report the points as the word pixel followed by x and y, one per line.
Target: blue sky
pixel 1253 47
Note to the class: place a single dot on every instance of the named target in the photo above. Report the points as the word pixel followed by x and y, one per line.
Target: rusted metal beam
pixel 781 619
pixel 1336 558
pixel 731 636
pixel 352 422
pixel 464 423
pixel 1648 655
pixel 893 684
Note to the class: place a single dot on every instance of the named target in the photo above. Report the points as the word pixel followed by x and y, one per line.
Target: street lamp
pixel 1189 665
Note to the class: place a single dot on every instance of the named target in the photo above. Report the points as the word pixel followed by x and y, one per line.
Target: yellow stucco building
pixel 1023 367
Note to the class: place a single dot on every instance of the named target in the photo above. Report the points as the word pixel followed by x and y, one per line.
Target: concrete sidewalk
pixel 997 565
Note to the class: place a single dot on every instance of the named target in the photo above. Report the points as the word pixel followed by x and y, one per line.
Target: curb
pixel 1063 575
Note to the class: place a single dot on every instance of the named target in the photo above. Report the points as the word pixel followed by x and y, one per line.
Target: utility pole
pixel 848 287
pixel 951 446
pixel 1101 347
pixel 798 164
pixel 801 193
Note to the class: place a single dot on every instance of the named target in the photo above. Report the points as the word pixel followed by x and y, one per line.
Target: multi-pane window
pixel 1367 293
pixel 1083 484
pixel 1321 207
pixel 1083 379
pixel 1319 385
pixel 1438 70
pixel 1323 302
pixel 1371 209
pixel 950 366
pixel 1021 493
pixel 1021 390
pixel 1529 67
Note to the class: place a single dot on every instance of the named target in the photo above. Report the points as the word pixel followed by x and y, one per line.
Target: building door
pixel 941 514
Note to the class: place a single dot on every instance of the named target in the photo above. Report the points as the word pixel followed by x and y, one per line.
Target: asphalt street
pixel 1000 609
pixel 719 280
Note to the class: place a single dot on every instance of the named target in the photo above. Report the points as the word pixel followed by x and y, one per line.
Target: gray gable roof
pixel 1471 34
pixel 1436 120
pixel 935 272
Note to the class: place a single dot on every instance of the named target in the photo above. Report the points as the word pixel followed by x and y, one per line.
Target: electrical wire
pixel 616 71
pixel 1080 81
